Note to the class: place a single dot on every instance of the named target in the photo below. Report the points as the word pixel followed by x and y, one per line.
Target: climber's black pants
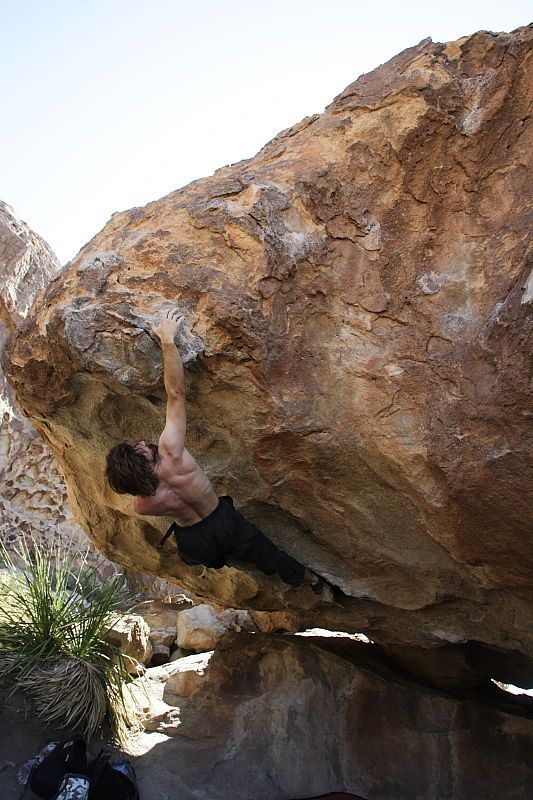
pixel 225 532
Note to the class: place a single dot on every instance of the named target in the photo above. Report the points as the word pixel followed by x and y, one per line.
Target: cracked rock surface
pixel 358 300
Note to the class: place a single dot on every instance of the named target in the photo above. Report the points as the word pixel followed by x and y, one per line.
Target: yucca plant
pixel 53 625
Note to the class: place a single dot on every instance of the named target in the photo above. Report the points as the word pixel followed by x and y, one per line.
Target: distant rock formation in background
pixel 33 500
pixel 28 265
pixel 359 304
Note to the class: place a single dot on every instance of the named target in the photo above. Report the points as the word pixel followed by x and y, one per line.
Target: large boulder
pixel 359 304
pixel 269 718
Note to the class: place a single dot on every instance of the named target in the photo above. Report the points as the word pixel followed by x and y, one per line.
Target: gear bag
pixel 112 781
pixel 61 772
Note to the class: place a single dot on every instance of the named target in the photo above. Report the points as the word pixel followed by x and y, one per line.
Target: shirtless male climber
pixel 167 482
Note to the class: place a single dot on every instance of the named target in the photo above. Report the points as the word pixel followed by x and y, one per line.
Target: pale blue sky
pixel 108 104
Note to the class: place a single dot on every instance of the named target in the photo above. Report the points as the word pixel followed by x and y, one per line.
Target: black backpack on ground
pixel 64 774
pixel 65 758
pixel 114 781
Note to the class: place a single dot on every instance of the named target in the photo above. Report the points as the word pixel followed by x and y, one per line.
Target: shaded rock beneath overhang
pixel 279 717
pixel 462 666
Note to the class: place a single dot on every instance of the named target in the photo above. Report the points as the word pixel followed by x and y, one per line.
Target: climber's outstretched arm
pixel 172 440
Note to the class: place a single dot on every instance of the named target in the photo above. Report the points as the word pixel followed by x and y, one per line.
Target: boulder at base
pixel 277 717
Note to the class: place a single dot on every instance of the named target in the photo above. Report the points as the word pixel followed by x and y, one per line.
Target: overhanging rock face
pixel 359 300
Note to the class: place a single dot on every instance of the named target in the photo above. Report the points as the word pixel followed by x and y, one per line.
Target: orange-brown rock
pixel 359 304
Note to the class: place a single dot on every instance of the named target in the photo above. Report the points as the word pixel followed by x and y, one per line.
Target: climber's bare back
pixel 184 492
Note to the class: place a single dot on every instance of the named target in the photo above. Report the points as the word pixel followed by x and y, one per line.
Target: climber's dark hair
pixel 129 472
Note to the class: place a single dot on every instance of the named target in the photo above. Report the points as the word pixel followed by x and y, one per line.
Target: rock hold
pixel 114 339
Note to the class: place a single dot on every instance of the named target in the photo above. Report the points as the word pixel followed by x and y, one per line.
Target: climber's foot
pixel 318 585
pixel 321 587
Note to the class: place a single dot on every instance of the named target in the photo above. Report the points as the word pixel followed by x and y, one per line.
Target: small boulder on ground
pixel 163 636
pixel 200 628
pixel 186 677
pixel 131 635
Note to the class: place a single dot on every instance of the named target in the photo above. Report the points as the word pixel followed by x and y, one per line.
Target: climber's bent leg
pixel 250 544
pixel 225 532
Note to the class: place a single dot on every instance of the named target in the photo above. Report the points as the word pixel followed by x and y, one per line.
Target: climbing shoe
pixel 318 587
